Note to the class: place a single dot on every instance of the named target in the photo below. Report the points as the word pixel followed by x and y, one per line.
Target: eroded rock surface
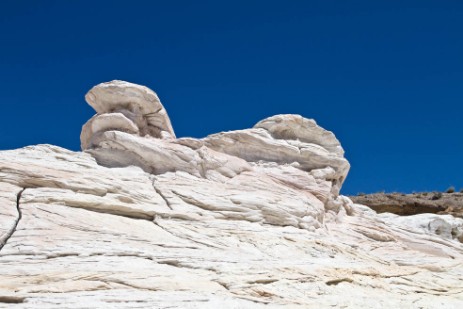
pixel 140 106
pixel 243 219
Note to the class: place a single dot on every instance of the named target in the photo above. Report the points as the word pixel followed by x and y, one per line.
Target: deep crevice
pixel 13 228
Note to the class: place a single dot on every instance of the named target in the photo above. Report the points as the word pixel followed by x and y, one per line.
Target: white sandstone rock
pixel 257 145
pixel 138 103
pixel 92 236
pixel 105 122
pixel 445 226
pixel 241 219
pixel 115 138
pixel 296 127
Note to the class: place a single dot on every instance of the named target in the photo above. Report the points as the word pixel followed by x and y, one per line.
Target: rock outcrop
pixel 132 128
pixel 413 203
pixel 242 219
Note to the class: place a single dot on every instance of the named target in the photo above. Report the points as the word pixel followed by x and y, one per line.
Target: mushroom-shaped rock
pixel 286 139
pixel 129 115
pixel 138 103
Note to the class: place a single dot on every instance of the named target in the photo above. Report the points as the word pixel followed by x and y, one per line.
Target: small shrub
pixel 451 189
pixel 436 196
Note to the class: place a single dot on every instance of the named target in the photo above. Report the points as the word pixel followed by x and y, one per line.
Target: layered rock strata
pixel 414 203
pixel 243 219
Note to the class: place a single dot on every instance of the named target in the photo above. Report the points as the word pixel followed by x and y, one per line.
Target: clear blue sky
pixel 385 76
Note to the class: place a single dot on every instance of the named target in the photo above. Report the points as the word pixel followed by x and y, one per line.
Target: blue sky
pixel 385 76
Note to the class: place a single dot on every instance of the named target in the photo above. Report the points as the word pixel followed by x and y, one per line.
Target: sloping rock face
pixel 242 219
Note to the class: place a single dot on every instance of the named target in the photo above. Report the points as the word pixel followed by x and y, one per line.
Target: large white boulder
pixel 138 103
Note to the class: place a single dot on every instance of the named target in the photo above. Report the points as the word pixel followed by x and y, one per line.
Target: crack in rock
pixel 158 191
pixel 13 228
pixel 185 237
pixel 12 299
pixel 337 281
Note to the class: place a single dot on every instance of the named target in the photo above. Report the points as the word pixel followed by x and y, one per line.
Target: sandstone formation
pixel 414 203
pixel 242 219
pixel 137 103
